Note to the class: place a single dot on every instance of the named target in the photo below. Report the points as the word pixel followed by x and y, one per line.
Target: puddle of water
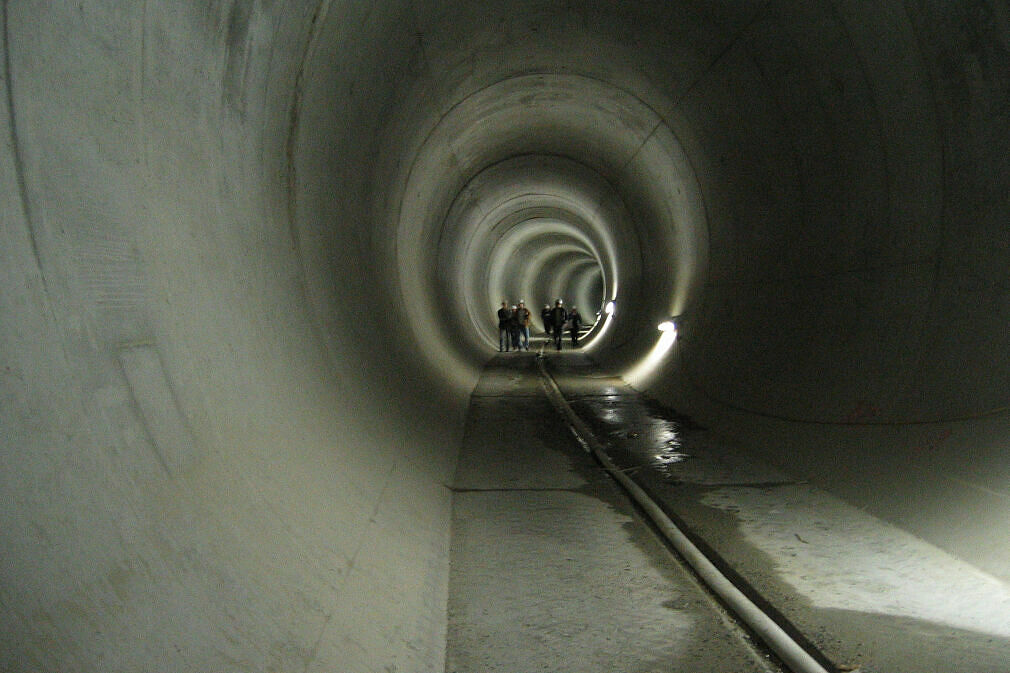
pixel 670 457
pixel 648 437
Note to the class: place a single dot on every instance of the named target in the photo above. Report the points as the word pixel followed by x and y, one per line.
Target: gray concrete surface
pixel 861 591
pixel 551 568
pixel 251 254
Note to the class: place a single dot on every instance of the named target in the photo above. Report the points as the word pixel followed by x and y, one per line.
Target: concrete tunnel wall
pixel 252 251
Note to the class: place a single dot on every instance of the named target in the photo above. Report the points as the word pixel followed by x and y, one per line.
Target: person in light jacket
pixel 522 316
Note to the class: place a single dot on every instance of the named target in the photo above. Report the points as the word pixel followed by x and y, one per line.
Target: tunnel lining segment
pixel 235 201
pixel 16 151
pixel 585 120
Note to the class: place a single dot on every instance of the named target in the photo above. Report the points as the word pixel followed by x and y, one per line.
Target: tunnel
pixel 252 254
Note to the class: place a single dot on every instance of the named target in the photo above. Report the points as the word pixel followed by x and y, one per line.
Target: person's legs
pixel 503 339
pixel 524 332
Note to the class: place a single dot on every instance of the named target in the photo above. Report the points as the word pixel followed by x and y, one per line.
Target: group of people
pixel 514 325
pixel 557 320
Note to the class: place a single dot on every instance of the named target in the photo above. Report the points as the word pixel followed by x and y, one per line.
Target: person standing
pixel 514 328
pixel 558 319
pixel 523 321
pixel 574 324
pixel 504 317
pixel 545 315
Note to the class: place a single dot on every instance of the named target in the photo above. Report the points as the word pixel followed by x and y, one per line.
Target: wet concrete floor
pixel 552 568
pixel 864 593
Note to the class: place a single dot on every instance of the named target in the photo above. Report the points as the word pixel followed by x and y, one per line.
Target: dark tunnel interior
pixel 252 253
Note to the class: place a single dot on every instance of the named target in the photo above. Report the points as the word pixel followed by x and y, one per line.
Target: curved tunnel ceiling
pixel 252 253
pixel 538 168
pixel 509 234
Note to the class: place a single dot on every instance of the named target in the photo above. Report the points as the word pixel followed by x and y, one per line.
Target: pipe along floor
pixel 553 569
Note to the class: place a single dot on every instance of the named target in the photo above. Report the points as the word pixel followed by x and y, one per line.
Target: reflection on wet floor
pixel 651 434
pixel 552 569
pixel 862 591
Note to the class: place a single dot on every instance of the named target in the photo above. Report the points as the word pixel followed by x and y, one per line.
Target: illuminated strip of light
pixel 640 372
pixel 598 338
pixel 608 318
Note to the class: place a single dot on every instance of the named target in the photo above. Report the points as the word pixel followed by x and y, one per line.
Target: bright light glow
pixel 598 337
pixel 668 326
pixel 639 374
pixel 865 564
pixel 608 318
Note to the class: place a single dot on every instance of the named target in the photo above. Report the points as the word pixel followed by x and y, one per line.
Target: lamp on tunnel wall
pixel 608 318
pixel 669 326
pixel 668 334
pixel 640 373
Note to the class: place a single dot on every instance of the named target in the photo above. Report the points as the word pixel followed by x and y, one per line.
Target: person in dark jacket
pixel 558 319
pixel 545 315
pixel 574 324
pixel 514 327
pixel 504 336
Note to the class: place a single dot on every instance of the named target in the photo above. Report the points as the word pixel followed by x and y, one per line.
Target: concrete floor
pixel 863 592
pixel 551 568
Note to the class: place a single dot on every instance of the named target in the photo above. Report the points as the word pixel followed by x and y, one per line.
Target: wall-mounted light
pixel 640 373
pixel 669 329
pixel 608 317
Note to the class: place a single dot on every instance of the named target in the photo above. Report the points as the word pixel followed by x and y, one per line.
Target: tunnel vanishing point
pixel 251 254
